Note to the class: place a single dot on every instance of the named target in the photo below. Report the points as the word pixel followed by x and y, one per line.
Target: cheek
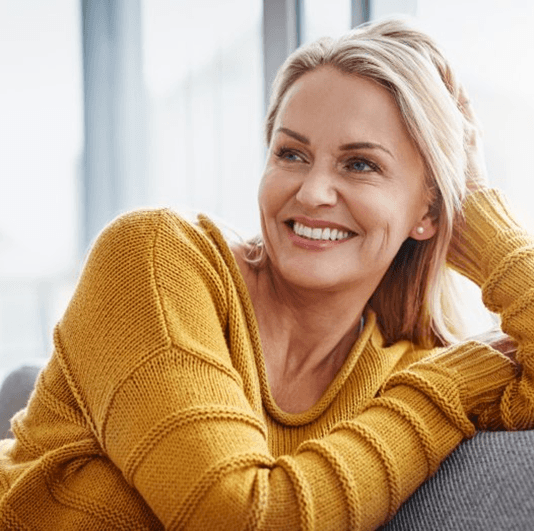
pixel 274 193
pixel 383 211
pixel 265 190
pixel 261 189
pixel 372 207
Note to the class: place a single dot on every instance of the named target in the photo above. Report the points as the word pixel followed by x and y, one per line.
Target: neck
pixel 308 330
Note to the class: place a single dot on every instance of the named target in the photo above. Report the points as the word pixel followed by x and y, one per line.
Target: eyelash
pixel 374 167
pixel 283 151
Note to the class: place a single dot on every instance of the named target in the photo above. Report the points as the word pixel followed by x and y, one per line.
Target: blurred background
pixel 108 105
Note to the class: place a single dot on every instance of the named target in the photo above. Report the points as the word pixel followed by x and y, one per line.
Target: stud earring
pixel 420 230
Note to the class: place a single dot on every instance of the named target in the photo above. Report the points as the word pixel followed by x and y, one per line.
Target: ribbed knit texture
pixel 154 411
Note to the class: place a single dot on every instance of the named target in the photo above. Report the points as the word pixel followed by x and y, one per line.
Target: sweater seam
pixel 177 420
pixel 147 359
pixel 154 284
pixel 154 274
pixel 55 405
pixel 171 345
pixel 68 498
pixel 73 384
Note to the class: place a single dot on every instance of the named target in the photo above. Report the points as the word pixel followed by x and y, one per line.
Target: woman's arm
pixel 145 347
pixel 501 342
pixel 492 250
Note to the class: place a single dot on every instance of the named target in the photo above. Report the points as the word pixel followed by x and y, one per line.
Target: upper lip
pixel 319 223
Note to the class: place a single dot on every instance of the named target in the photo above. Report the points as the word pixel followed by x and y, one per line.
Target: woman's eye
pixel 288 155
pixel 291 156
pixel 361 166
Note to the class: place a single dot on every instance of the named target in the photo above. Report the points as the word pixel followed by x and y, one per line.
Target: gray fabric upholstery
pixel 14 393
pixel 486 484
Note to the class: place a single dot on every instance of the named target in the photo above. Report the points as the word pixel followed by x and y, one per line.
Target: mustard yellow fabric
pixel 154 411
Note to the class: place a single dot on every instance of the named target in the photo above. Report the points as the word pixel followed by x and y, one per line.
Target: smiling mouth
pixel 319 234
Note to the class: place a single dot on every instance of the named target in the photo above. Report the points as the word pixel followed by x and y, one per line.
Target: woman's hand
pixel 475 169
pixel 476 174
pixel 500 341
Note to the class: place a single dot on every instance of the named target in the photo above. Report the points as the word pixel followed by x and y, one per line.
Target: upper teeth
pixel 319 234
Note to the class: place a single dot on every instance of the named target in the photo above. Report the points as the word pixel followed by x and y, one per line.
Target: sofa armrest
pixel 14 393
pixel 487 483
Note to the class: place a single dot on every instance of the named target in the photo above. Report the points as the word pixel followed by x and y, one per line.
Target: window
pixel 320 18
pixel 40 163
pixel 203 72
pixel 492 47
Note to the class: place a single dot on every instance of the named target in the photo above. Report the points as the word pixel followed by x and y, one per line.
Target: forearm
pixel 206 464
pixel 375 462
pixel 495 252
pixel 486 235
pixel 501 342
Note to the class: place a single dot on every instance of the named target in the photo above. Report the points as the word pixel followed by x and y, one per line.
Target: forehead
pixel 328 104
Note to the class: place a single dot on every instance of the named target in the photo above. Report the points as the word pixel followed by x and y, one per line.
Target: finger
pixel 466 108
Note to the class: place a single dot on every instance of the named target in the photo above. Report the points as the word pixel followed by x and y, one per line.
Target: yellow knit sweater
pixel 154 410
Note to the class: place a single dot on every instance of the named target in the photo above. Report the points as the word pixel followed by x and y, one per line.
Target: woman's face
pixel 343 185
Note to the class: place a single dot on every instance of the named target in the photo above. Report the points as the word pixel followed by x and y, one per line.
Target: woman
pixel 307 380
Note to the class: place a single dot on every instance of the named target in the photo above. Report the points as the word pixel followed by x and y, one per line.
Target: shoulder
pixel 140 241
pixel 117 275
pixel 150 282
pixel 144 268
pixel 139 229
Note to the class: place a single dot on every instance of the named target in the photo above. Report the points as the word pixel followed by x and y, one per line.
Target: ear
pixel 424 229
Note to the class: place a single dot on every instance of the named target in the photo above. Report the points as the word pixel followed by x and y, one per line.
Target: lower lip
pixel 314 245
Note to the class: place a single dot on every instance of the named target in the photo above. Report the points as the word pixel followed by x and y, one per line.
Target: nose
pixel 317 189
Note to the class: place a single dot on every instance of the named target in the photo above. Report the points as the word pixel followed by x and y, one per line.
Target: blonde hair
pixel 413 300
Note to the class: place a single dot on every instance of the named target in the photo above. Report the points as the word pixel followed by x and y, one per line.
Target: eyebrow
pixel 344 147
pixel 365 145
pixel 296 136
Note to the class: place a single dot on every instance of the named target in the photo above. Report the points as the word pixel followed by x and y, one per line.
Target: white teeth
pixel 318 233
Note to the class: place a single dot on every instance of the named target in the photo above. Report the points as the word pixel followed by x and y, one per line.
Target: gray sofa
pixel 486 484
pixel 14 393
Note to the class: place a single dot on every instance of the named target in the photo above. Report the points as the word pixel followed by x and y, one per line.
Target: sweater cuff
pixel 485 235
pixel 481 372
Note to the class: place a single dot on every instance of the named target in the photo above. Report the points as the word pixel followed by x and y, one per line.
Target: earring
pixel 420 230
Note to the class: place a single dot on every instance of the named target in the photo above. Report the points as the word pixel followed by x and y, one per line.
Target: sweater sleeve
pixel 496 253
pixel 144 347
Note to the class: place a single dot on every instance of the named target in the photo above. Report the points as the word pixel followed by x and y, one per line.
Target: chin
pixel 315 276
